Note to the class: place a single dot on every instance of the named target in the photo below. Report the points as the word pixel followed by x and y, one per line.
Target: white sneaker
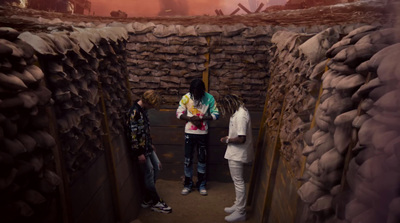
pixel 185 191
pixel 236 217
pixel 161 207
pixel 203 192
pixel 230 210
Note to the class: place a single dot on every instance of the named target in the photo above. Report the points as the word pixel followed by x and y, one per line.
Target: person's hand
pixel 142 158
pixel 197 121
pixel 159 166
pixel 223 139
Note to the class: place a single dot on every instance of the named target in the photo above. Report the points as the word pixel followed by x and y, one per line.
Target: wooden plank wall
pixel 168 137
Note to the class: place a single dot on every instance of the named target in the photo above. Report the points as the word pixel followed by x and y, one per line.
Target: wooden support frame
pixel 244 8
pixel 206 72
pixel 109 152
pixel 260 140
pixel 63 188
pixel 259 7
pixel 273 166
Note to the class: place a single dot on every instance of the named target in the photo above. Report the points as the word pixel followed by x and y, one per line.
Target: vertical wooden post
pixel 260 140
pixel 110 158
pixel 59 161
pixel 273 166
pixel 206 73
pixel 63 189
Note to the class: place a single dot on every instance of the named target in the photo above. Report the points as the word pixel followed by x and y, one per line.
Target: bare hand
pixel 159 166
pixel 197 121
pixel 223 139
pixel 142 158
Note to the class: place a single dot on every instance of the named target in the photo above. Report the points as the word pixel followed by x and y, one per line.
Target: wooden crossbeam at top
pixel 219 11
pixel 259 7
pixel 244 8
pixel 234 12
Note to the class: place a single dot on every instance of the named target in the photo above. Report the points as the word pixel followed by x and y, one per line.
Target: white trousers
pixel 236 169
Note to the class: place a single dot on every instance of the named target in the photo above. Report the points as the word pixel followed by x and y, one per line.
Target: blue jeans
pixel 191 141
pixel 149 171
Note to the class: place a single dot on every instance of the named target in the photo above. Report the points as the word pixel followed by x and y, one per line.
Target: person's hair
pixel 151 97
pixel 197 90
pixel 229 104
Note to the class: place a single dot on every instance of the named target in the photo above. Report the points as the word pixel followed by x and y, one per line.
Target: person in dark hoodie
pixel 143 148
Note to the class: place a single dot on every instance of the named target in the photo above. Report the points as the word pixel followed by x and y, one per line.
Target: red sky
pixel 141 8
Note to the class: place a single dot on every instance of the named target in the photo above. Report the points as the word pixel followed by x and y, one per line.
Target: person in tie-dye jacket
pixel 197 108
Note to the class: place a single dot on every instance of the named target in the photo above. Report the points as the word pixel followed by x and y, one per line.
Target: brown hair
pixel 151 97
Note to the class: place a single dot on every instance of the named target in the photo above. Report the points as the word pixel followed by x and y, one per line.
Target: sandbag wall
pixel 288 113
pixel 317 137
pixel 231 59
pixel 28 179
pixel 167 58
pixel 356 177
pixel 85 71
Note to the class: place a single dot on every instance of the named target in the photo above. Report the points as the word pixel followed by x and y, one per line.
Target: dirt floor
pixel 193 208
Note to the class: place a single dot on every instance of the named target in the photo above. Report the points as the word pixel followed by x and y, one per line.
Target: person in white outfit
pixel 239 151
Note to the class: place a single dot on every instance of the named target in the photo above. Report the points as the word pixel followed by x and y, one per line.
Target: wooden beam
pixel 64 187
pixel 110 159
pixel 220 12
pixel 244 8
pixel 206 73
pixel 274 166
pixel 234 12
pixel 217 12
pixel 259 7
pixel 59 162
pixel 260 140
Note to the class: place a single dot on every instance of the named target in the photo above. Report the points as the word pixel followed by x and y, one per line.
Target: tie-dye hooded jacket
pixel 206 107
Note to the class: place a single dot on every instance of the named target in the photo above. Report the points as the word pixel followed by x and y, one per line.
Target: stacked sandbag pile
pixel 81 67
pixel 27 175
pixel 295 59
pixel 373 177
pixel 167 58
pixel 164 57
pixel 283 76
pixel 239 62
pixel 338 118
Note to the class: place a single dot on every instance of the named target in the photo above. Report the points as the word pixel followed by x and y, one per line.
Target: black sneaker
pixel 161 207
pixel 146 204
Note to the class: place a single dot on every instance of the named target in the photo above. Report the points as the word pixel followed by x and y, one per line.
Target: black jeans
pixel 191 142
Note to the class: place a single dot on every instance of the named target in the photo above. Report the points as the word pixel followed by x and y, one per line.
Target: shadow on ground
pixel 193 208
